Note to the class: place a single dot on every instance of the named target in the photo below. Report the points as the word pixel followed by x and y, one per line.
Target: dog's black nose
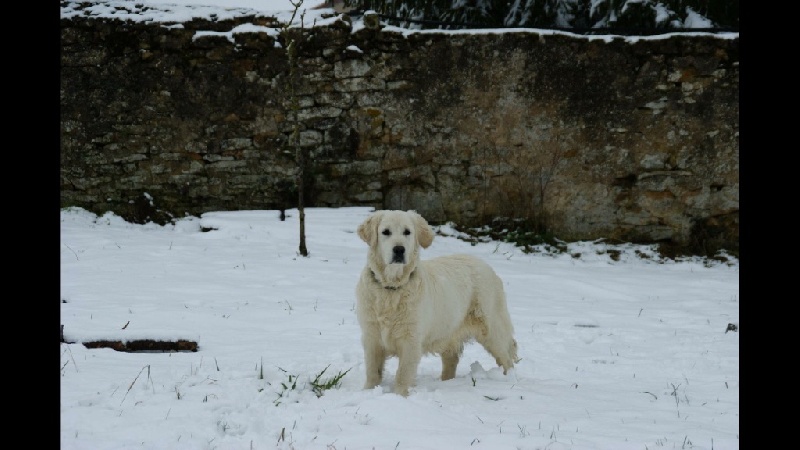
pixel 399 254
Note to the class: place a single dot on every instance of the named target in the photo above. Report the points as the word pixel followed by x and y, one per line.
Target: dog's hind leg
pixel 505 356
pixel 450 359
pixel 502 346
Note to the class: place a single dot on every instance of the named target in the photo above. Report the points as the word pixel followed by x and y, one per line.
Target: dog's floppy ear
pixel 424 231
pixel 366 231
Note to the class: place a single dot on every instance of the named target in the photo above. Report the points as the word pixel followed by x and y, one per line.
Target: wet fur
pixel 417 307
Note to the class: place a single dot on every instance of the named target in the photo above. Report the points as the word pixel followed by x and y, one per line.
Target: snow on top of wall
pixel 172 14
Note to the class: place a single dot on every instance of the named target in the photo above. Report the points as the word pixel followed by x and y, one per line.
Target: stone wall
pixel 635 140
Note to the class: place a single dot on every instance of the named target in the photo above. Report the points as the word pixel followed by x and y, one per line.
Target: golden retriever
pixel 408 307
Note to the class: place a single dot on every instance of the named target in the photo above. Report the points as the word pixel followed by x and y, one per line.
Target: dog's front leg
pixel 374 359
pixel 409 356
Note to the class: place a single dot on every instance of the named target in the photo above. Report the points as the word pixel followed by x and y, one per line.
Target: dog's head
pixel 394 239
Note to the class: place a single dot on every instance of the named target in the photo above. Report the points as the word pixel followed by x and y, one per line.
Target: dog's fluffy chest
pixel 394 315
pixel 394 305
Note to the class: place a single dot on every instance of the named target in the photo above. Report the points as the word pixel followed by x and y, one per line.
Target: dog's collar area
pixel 390 288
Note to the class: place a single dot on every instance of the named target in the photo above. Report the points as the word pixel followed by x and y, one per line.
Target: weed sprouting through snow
pixel 318 384
pixel 675 394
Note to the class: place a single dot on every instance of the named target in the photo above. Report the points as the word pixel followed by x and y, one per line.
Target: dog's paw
pixel 371 385
pixel 401 391
pixel 377 390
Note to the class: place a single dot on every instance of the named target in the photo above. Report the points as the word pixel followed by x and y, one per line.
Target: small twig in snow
pixel 655 397
pixel 76 255
pixel 72 358
pixel 134 381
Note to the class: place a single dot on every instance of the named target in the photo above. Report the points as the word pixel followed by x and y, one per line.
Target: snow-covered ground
pixel 616 354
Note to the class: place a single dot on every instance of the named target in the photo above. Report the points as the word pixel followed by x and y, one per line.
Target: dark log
pixel 145 345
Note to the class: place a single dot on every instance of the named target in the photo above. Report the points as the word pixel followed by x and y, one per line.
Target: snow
pixel 309 14
pixel 695 20
pixel 626 352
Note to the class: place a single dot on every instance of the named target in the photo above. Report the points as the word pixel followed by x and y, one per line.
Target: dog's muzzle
pixel 399 254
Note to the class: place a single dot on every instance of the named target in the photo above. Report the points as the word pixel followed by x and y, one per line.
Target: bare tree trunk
pixel 300 157
pixel 301 169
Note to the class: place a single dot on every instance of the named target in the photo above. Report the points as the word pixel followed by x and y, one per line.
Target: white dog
pixel 408 307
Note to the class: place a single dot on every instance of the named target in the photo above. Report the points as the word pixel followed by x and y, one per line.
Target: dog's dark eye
pixel 386 232
pixel 407 232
